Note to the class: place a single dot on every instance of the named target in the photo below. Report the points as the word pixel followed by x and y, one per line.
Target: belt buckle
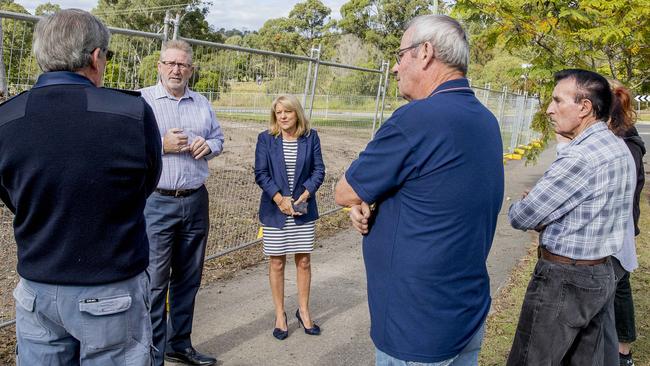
pixel 178 193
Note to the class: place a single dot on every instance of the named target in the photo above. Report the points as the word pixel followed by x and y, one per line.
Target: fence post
pixel 379 87
pixel 166 26
pixel 386 65
pixel 314 81
pixel 307 80
pixel 486 94
pixel 3 76
pixel 518 124
pixel 177 23
pixel 502 102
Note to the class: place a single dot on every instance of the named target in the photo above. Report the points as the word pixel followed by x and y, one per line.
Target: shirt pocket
pixel 27 322
pixel 105 322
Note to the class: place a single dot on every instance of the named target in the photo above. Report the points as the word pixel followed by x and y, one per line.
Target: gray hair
pixel 177 44
pixel 447 37
pixel 65 40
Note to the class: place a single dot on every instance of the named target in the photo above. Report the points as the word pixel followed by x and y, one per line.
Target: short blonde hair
pixel 290 103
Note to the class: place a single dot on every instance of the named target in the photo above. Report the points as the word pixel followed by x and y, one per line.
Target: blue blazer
pixel 271 176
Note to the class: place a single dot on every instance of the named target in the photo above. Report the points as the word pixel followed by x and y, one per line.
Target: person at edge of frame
pixel 77 163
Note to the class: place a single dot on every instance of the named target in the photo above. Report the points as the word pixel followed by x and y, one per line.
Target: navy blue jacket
pixel 271 176
pixel 77 164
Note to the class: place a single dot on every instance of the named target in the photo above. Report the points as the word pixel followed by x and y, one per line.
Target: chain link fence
pixel 346 104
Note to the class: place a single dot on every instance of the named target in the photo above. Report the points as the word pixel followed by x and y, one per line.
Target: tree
pixel 47 9
pixel 310 20
pixel 149 15
pixel 280 35
pixel 380 22
pixel 308 24
pixel 609 37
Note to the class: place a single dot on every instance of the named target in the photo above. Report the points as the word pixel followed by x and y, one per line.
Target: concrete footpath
pixel 234 318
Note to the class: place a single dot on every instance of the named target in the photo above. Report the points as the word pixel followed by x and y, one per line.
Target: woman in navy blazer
pixel 289 168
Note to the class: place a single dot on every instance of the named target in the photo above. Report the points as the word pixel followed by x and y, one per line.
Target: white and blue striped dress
pixel 291 238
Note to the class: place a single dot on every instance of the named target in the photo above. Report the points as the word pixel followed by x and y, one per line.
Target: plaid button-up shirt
pixel 582 203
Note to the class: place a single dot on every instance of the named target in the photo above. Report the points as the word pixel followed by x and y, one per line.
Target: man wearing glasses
pixel 78 199
pixel 177 212
pixel 432 222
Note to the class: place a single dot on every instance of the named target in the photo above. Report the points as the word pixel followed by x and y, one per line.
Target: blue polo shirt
pixel 435 171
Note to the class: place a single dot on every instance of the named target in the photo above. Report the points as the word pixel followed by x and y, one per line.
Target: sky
pixel 240 14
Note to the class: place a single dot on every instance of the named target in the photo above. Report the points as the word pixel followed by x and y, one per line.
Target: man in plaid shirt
pixel 580 207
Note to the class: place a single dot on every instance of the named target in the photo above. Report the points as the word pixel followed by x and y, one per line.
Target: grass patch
pixel 502 321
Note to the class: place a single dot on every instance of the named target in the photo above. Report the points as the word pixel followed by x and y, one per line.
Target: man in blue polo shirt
pixel 433 176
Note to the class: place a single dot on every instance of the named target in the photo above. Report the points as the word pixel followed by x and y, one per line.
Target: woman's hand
pixel 284 204
pixel 303 197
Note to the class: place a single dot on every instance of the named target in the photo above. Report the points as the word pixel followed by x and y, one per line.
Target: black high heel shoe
pixel 279 333
pixel 314 330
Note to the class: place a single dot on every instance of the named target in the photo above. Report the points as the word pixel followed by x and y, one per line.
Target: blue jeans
pixel 83 325
pixel 177 228
pixel 566 313
pixel 467 357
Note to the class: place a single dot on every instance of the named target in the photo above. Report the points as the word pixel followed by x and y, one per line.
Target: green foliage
pixel 280 35
pixel 380 22
pixel 308 24
pixel 19 65
pixel 149 15
pixel 502 70
pixel 606 36
pixel 147 73
pixel 47 8
pixel 310 19
pixel 609 37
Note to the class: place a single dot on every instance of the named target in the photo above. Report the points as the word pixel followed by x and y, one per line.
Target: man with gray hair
pixel 177 212
pixel 427 225
pixel 77 163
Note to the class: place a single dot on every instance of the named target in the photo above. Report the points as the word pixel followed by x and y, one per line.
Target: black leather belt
pixel 177 192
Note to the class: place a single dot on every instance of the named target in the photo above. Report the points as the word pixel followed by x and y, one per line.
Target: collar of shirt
pixel 595 128
pixel 161 92
pixel 61 78
pixel 452 84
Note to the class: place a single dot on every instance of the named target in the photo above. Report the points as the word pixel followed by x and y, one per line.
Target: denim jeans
pixel 565 314
pixel 624 308
pixel 467 357
pixel 623 315
pixel 83 325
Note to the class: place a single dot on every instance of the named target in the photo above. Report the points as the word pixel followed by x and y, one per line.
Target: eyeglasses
pixel 172 64
pixel 402 51
pixel 106 51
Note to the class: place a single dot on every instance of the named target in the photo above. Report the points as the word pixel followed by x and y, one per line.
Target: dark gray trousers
pixel 565 313
pixel 177 228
